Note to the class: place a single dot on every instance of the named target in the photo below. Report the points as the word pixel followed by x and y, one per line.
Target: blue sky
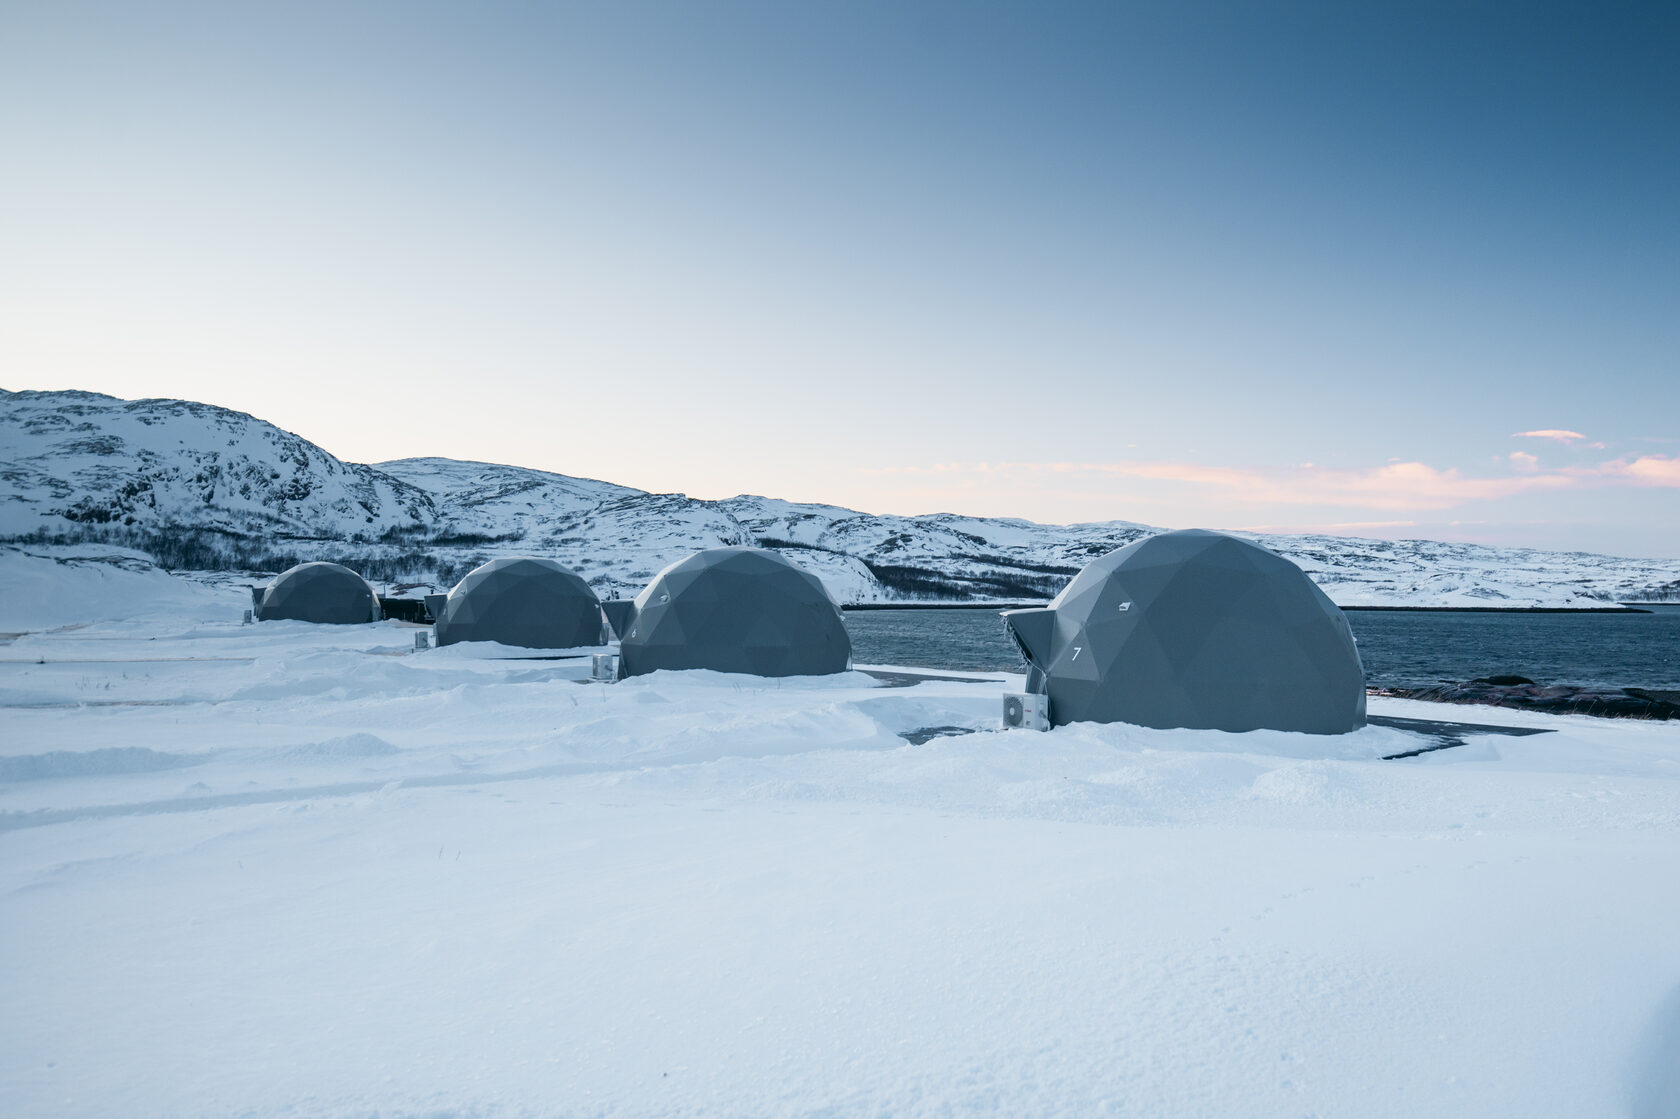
pixel 1284 266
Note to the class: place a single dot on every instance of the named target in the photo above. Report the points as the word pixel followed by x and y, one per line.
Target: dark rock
pixel 1554 699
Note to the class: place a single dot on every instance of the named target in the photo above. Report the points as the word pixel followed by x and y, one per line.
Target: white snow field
pixel 285 870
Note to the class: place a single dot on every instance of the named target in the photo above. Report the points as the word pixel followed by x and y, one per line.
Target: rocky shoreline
pixel 1553 699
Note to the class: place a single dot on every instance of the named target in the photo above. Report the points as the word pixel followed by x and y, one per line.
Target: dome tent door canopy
pixel 1194 629
pixel 320 592
pixel 747 610
pixel 525 601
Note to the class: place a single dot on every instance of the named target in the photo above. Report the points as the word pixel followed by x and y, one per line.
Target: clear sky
pixel 1375 269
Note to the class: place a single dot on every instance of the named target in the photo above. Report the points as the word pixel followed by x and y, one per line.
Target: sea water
pixel 1400 648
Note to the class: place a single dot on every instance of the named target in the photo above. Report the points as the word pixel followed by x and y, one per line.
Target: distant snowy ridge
pixel 205 487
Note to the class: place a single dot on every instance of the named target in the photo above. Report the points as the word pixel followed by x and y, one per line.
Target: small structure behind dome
pixel 746 610
pixel 319 592
pixel 1194 629
pixel 524 601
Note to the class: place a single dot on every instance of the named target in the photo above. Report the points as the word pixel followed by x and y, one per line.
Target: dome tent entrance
pixel 319 592
pixel 524 601
pixel 747 610
pixel 1194 629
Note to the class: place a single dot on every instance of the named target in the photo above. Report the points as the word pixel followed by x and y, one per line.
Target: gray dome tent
pixel 732 610
pixel 319 592
pixel 1194 629
pixel 535 603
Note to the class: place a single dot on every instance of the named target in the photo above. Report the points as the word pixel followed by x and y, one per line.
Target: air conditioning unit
pixel 422 641
pixel 1026 710
pixel 603 667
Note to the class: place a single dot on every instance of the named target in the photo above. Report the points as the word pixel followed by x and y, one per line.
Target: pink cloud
pixel 1559 434
pixel 1395 487
pixel 1655 470
pixel 1332 528
pixel 1646 470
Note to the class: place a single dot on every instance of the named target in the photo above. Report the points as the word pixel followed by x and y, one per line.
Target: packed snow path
pixel 293 870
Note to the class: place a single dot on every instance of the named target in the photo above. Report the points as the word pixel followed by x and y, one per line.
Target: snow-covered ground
pixel 49 585
pixel 292 870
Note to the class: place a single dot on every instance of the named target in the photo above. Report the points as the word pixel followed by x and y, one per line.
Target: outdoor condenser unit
pixel 604 667
pixel 1026 710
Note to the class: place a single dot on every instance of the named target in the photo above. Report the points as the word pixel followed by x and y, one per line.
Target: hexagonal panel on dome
pixel 319 592
pixel 525 601
pixel 1195 629
pixel 746 610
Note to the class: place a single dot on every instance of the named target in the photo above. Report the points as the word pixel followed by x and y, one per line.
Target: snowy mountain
pixel 83 459
pixel 485 498
pixel 205 487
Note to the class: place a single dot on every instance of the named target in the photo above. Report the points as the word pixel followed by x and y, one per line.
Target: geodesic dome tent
pixel 1194 629
pixel 733 610
pixel 319 592
pixel 534 603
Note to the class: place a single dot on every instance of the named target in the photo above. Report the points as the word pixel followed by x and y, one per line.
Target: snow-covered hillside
pixel 84 459
pixel 492 500
pixel 86 464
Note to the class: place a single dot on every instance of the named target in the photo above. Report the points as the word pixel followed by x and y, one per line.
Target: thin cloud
pixel 1331 528
pixel 1396 487
pixel 1646 470
pixel 1559 434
